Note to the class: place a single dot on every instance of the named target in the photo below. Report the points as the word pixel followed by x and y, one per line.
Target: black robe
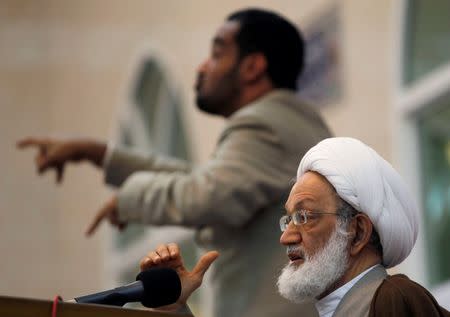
pixel 399 296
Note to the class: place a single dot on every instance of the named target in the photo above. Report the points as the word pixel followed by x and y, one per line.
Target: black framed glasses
pixel 302 217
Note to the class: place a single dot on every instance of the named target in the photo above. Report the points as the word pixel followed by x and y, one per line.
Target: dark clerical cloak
pixel 399 296
pixel 379 294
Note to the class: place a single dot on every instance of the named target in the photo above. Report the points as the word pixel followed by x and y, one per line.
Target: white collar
pixel 327 305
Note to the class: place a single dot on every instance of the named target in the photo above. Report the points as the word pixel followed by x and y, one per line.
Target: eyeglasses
pixel 302 217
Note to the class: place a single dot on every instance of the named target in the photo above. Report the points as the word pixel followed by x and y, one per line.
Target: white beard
pixel 317 273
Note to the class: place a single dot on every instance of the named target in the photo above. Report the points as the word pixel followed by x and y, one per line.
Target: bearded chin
pixel 317 273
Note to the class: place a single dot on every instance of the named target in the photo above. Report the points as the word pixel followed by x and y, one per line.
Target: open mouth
pixel 295 257
pixel 295 253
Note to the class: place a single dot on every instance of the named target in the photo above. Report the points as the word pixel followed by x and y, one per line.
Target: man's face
pixel 314 193
pixel 318 250
pixel 218 84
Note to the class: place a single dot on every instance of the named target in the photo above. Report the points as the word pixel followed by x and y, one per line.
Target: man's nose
pixel 202 67
pixel 290 235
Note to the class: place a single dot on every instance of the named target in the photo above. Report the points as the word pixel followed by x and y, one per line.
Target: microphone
pixel 153 288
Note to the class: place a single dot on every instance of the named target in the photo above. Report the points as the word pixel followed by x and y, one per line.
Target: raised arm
pixel 250 170
pixel 55 153
pixel 118 163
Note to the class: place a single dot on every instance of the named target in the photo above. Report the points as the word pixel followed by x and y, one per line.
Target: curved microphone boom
pixel 153 288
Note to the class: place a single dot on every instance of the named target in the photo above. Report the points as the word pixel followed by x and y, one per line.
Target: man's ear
pixel 360 229
pixel 253 67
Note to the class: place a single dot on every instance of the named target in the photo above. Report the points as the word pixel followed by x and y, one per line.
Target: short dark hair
pixel 278 39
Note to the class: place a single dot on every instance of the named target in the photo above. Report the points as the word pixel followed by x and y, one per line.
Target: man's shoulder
pixel 401 285
pixel 277 101
pixel 279 108
pixel 398 295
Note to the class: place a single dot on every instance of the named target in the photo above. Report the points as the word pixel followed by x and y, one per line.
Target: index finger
pixel 98 218
pixel 30 141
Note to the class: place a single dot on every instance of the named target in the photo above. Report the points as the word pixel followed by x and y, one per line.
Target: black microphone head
pixel 168 290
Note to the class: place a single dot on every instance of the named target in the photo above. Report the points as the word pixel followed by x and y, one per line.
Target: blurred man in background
pixel 234 199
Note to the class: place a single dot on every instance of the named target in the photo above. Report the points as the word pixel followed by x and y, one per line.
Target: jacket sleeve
pixel 399 296
pixel 245 174
pixel 121 163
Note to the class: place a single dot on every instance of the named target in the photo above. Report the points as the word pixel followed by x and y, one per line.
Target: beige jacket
pixel 234 200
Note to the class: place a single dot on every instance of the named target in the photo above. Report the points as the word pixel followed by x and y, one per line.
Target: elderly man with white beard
pixel 349 217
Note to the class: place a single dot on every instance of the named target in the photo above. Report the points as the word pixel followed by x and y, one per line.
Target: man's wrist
pixel 92 151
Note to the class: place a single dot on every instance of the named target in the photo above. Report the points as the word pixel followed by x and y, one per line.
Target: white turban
pixel 366 181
